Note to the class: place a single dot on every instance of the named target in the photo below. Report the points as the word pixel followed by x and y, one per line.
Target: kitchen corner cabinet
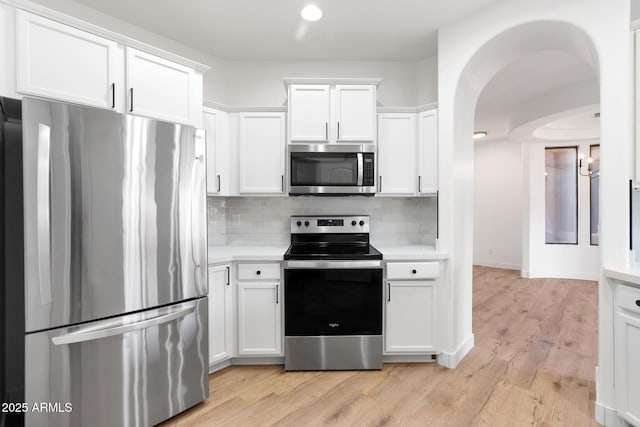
pixel 216 126
pixel 163 89
pixel 627 353
pixel 332 113
pixel 259 310
pixel 411 308
pixel 261 154
pixel 397 147
pixel 57 61
pixel 220 314
pixel 428 152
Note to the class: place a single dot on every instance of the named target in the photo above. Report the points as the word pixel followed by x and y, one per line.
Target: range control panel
pixel 329 224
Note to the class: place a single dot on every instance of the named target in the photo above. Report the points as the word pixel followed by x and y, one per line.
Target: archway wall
pixel 470 52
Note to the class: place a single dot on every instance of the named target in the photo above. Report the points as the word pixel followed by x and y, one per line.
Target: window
pixel 561 195
pixel 594 195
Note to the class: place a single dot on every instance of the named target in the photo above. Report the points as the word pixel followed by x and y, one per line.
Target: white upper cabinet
pixel 216 126
pixel 332 113
pixel 61 62
pixel 397 154
pixel 309 113
pixel 428 152
pixel 261 155
pixel 355 107
pixel 162 89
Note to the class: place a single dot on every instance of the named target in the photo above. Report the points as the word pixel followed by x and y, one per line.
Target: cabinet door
pixel 309 113
pixel 259 319
pixel 162 89
pixel 627 351
pixel 355 113
pixel 397 154
pixel 410 318
pixel 216 125
pixel 428 152
pixel 261 157
pixel 61 62
pixel 220 314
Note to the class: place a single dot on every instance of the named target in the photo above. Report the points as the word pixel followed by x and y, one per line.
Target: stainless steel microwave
pixel 332 169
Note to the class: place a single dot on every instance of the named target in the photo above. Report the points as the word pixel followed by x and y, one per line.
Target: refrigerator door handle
pixel 92 334
pixel 43 212
pixel 198 159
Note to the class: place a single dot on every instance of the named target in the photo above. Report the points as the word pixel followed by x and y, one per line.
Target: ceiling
pixel 529 78
pixel 401 30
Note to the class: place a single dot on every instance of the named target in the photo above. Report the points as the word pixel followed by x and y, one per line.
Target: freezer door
pixel 135 370
pixel 115 213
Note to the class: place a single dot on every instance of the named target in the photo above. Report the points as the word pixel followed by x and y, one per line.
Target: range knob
pixel 361 223
pixel 353 223
pixel 306 223
pixel 299 223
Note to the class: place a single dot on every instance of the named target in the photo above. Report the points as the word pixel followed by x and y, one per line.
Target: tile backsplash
pixel 265 220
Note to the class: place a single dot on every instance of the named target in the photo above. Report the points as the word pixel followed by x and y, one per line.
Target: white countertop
pixel 221 254
pixel 629 275
pixel 410 253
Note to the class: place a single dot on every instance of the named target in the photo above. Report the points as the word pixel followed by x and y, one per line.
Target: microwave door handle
pixel 360 169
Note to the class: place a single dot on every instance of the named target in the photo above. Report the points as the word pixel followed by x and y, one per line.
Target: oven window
pixel 333 302
pixel 324 169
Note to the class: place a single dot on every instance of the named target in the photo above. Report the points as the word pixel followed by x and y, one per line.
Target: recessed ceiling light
pixel 311 13
pixel 479 134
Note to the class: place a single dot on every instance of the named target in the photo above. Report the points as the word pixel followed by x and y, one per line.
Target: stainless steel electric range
pixel 333 295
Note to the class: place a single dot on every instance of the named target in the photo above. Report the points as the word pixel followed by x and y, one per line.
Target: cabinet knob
pixel 258 272
pixel 414 271
pixel 638 302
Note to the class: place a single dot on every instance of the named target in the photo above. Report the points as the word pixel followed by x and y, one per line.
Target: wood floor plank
pixel 533 365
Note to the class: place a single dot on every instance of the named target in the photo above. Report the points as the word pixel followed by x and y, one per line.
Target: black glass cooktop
pixel 331 251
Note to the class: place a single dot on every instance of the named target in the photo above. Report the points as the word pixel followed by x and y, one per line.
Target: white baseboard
pixel 497 264
pixel 451 360
pixel 608 416
pixel 578 275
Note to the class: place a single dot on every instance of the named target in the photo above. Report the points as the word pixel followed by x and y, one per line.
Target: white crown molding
pixel 329 81
pixel 46 12
pixel 243 109
pixel 427 107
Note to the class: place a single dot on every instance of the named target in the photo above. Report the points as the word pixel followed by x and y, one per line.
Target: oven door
pixel 333 298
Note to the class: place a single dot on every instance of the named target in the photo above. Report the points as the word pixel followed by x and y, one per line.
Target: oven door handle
pixel 332 264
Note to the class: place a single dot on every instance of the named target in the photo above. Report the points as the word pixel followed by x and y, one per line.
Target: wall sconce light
pixel 589 165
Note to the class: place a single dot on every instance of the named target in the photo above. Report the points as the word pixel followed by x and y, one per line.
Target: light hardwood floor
pixel 533 364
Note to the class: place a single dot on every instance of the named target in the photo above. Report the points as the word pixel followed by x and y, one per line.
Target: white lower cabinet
pixel 411 308
pixel 220 314
pixel 627 353
pixel 259 313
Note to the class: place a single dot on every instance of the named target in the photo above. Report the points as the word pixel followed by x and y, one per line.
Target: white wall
pixel 601 37
pixel 260 82
pixel 497 204
pixel 581 261
pixel 428 80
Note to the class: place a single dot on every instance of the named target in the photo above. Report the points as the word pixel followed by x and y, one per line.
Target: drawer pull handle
pixel 638 302
pixel 258 272
pixel 414 271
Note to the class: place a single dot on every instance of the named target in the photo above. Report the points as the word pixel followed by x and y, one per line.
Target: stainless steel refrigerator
pixel 104 306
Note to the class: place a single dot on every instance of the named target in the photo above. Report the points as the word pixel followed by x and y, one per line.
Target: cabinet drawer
pixel 413 270
pixel 628 298
pixel 268 271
